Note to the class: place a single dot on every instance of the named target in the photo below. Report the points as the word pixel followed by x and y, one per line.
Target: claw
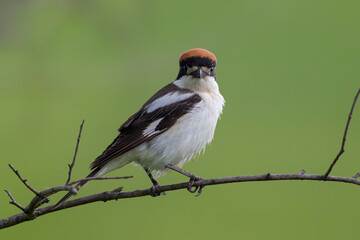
pixel 154 191
pixel 193 179
pixel 190 186
pixel 200 191
pixel 196 188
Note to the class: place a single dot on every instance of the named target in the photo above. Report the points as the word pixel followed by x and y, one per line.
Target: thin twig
pixel 356 175
pixel 71 166
pixel 98 178
pixel 42 202
pixel 342 149
pixel 24 180
pixel 114 195
pixel 13 201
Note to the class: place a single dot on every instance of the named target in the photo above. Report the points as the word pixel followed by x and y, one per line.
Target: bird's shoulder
pixel 168 100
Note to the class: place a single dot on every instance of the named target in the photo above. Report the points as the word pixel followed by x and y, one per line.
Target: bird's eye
pixel 211 69
pixel 184 67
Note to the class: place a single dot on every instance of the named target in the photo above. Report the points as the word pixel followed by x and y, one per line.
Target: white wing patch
pixel 167 99
pixel 150 130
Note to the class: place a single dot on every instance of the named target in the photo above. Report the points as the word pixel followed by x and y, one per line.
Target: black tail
pixel 77 187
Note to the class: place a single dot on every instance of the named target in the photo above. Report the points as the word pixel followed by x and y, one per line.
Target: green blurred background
pixel 288 70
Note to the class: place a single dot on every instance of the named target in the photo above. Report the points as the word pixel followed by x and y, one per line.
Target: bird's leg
pixel 155 183
pixel 193 178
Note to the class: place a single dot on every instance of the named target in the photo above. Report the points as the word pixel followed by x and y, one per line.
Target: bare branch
pixel 24 180
pixel 42 197
pixel 13 201
pixel 115 194
pixel 342 149
pixel 38 200
pixel 98 178
pixel 71 166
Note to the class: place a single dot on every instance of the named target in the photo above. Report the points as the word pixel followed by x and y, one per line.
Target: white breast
pixel 188 136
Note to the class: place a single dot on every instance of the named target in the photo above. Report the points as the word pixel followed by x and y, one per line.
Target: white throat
pixel 207 84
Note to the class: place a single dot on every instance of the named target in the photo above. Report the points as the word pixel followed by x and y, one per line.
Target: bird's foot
pixel 193 179
pixel 197 189
pixel 154 190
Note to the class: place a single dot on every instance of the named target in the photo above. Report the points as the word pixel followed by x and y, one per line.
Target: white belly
pixel 184 140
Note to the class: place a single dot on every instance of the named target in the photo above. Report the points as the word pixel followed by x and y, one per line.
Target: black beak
pixel 198 73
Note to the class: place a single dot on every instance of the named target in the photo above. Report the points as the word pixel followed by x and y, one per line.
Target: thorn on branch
pixel 24 181
pixel 71 166
pixel 302 172
pixel 267 177
pixel 13 201
pixel 117 190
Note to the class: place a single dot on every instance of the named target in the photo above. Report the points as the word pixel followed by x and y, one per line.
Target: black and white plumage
pixel 173 125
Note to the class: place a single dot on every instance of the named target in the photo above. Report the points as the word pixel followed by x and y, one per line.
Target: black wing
pixel 131 132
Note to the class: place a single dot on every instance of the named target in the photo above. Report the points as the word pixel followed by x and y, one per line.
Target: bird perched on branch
pixel 171 128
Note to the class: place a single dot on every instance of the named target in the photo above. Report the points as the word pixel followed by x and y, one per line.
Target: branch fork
pixel 31 211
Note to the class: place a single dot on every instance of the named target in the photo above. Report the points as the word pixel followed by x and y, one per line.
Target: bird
pixel 171 128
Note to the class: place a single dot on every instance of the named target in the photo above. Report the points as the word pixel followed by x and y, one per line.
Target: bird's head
pixel 197 63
